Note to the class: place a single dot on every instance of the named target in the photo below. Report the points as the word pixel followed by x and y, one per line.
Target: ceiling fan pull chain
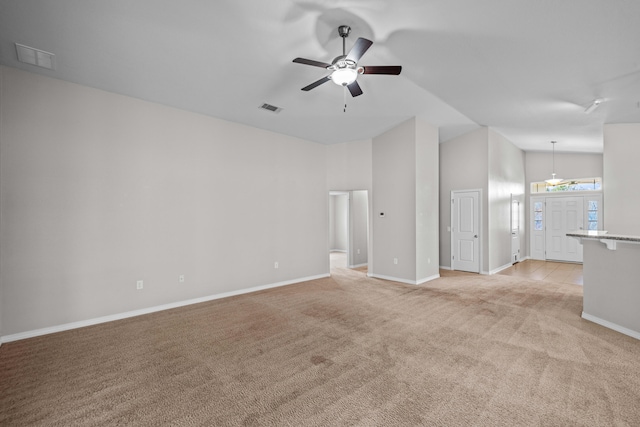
pixel 344 93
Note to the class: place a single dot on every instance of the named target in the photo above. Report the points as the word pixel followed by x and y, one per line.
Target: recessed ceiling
pixel 527 69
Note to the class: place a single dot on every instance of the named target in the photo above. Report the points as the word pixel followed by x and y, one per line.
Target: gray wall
pixel 427 198
pixel 394 190
pixel 405 159
pixel 482 159
pixel 506 178
pixel 359 227
pixel 539 167
pixel 611 291
pixel 349 168
pixel 2 185
pixel 568 165
pixel 463 166
pixel 621 178
pixel 339 224
pixel 100 190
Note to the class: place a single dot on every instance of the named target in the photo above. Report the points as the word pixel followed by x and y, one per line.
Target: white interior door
pixel 465 231
pixel 564 214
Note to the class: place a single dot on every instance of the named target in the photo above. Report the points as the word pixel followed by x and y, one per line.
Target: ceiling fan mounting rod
pixel 344 31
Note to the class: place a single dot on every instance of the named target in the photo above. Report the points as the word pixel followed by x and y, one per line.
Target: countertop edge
pixel 603 235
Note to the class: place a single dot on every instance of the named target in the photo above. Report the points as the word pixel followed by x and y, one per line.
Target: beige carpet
pixel 462 350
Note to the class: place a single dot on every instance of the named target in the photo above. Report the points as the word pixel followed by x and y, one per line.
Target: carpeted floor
pixel 347 350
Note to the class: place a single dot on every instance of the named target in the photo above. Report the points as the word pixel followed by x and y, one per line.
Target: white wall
pixel 349 168
pixel 332 221
pixel 427 198
pixel 339 240
pixel 463 166
pixel 621 178
pixel 568 165
pixel 538 167
pixel 1 202
pixel 482 159
pixel 405 189
pixel 99 190
pixel 359 227
pixel 394 194
pixel 611 291
pixel 506 178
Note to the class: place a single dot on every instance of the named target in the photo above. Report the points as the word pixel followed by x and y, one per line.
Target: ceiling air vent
pixel 271 108
pixel 33 56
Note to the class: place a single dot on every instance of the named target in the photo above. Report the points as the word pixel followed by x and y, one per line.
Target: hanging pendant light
pixel 553 180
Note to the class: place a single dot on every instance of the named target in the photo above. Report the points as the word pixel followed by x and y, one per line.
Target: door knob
pixel 476 236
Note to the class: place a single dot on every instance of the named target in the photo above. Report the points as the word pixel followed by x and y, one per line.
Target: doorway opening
pixel 349 230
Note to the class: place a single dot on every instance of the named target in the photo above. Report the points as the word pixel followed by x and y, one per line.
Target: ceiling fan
pixel 344 68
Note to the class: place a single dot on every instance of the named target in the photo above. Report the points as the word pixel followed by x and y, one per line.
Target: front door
pixel 465 230
pixel 564 214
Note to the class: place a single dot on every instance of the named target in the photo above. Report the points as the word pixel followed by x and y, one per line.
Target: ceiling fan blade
pixel 358 49
pixel 355 89
pixel 316 83
pixel 311 62
pixel 383 69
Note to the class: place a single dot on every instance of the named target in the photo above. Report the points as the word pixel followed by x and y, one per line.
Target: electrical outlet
pixel 395 260
pixel 139 284
pixel 358 251
pixel 275 264
pixel 181 278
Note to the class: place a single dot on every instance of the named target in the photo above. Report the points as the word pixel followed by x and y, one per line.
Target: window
pixel 592 215
pixel 581 184
pixel 537 216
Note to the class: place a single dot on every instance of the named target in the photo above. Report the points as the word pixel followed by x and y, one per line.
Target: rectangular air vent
pixel 271 108
pixel 37 57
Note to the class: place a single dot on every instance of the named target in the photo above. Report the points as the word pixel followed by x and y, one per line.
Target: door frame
pixel 480 227
pixel 519 199
pixel 351 256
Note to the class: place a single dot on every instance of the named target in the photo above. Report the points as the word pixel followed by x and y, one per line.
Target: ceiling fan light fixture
pixel 344 76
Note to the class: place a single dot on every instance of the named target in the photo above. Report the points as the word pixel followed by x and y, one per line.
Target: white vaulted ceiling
pixel 528 69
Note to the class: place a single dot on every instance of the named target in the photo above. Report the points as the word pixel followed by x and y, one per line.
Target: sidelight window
pixel 537 216
pixel 592 215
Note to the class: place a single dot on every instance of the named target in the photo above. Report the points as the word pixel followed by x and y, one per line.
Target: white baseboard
pixel 359 265
pixel 428 279
pixel 408 282
pixel 611 325
pixel 125 315
pixel 338 250
pixel 497 270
